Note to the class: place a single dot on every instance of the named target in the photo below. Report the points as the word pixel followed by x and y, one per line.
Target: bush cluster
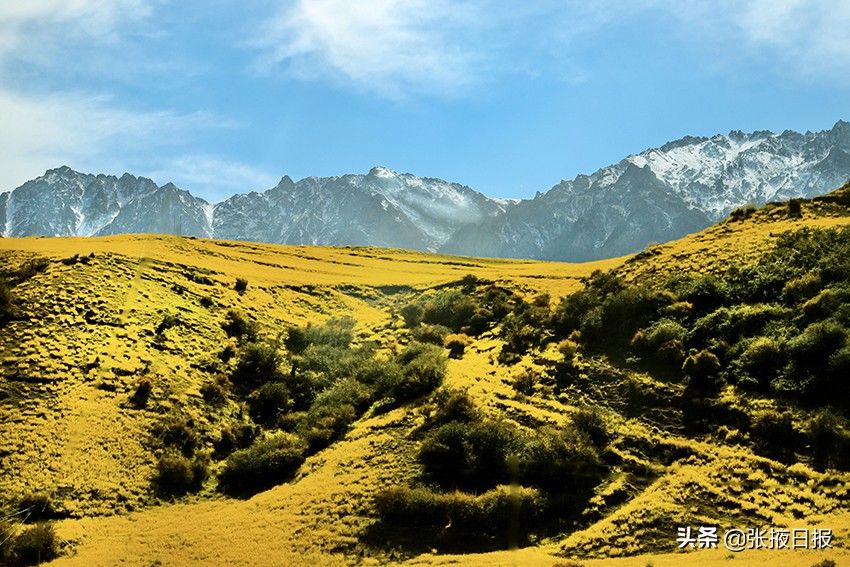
pixel 33 545
pixel 314 389
pixel 473 459
pixel 238 326
pixel 177 475
pixel 264 464
pixel 5 302
pixel 779 326
pixel 498 517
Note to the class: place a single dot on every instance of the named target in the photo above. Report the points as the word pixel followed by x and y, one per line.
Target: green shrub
pixel 520 333
pixel 494 303
pixel 333 412
pixel 5 302
pixel 525 381
pixel 469 455
pixel 239 436
pixel 32 546
pixel 559 461
pixel 325 423
pixel 818 341
pixel 422 369
pixel 433 334
pixel 142 394
pixel 706 293
pixel 447 405
pixel 661 332
pixel 262 465
pixel 30 268
pixel 258 364
pixel 320 366
pixel 611 324
pixel 177 475
pixel 7 534
pixel 735 322
pixel 762 360
pixel 456 344
pixel 168 321
pixel 829 440
pixel 795 208
pixel 570 313
pixel 227 353
pixel 238 326
pixel 591 423
pixel 347 391
pixel 801 288
pixel 178 433
pixel 241 285
pixel 743 212
pixel 678 310
pixel 337 332
pixel 215 393
pixel 451 308
pixel 660 344
pixel 702 370
pixel 412 314
pixel 36 507
pixel 774 435
pixel 502 513
pixel 267 403
pixel 825 303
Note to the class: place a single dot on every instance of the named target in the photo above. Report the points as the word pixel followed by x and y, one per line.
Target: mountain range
pixel 654 196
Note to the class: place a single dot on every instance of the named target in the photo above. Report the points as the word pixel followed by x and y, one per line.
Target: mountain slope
pixel 661 194
pixel 63 202
pixel 654 196
pixel 381 208
pixel 89 329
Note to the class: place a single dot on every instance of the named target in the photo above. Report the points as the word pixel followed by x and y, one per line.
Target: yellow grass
pixel 73 433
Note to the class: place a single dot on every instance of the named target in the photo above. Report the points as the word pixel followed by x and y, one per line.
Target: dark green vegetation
pixel 22 544
pixel 756 356
pixel 778 329
pixel 301 394
pixel 9 278
pixel 473 307
pixel 491 484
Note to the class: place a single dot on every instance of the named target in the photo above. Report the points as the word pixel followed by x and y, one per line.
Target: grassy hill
pixel 579 412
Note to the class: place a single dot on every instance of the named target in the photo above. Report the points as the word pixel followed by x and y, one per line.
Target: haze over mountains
pixel 654 196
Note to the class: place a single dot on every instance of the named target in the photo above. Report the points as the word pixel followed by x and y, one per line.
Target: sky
pixel 509 98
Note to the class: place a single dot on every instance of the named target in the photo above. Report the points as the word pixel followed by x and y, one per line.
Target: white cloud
pixel 83 131
pixel 390 47
pixel 92 131
pixel 215 178
pixel 810 36
pixel 33 26
pixel 399 48
pixel 799 38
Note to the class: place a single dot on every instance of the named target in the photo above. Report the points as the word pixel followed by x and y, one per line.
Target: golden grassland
pixel 68 371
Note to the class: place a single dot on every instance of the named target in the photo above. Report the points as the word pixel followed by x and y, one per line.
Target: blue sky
pixel 508 98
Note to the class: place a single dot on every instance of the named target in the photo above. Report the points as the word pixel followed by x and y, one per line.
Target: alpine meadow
pixel 176 400
pixel 468 283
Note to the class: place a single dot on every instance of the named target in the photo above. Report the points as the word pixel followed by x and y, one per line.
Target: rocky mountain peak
pixel 655 195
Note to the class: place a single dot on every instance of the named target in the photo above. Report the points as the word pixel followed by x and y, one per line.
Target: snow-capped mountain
pixel 661 194
pixel 63 202
pixel 654 196
pixel 381 208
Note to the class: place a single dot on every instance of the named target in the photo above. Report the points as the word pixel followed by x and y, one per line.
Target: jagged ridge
pixel 654 196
